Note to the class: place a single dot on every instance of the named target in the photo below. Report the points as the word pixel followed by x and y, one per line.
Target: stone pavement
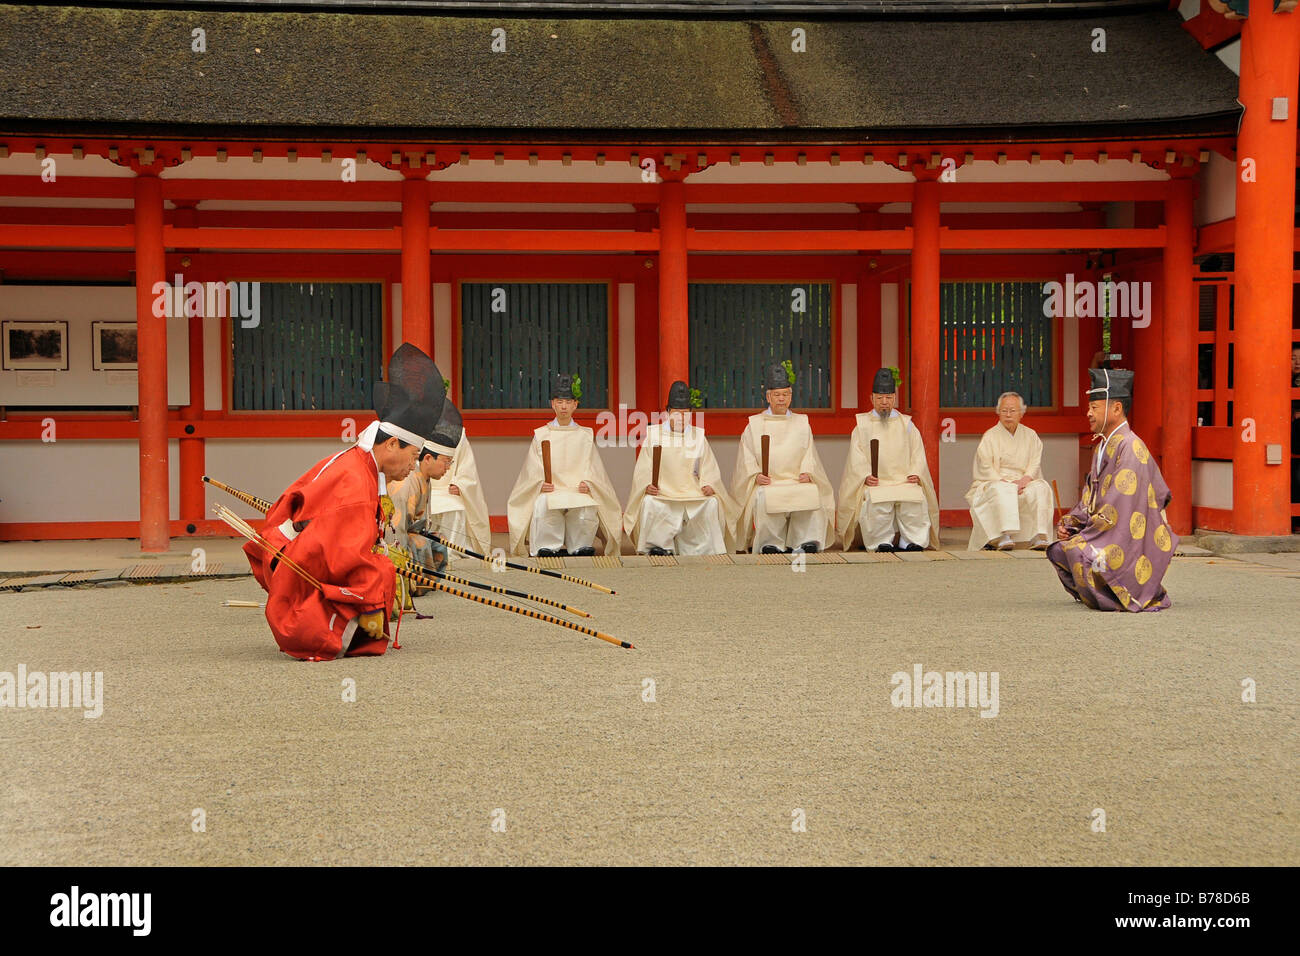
pixel 759 720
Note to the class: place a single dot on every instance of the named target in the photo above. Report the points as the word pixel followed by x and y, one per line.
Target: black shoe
pixel 585 553
pixel 548 553
pixel 809 547
pixel 659 552
pixel 772 549
pixel 885 547
pixel 913 547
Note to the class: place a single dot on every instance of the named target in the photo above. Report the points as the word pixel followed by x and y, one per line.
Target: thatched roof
pixel 376 75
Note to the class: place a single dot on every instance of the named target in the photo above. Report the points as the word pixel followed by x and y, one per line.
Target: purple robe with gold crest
pixel 1120 544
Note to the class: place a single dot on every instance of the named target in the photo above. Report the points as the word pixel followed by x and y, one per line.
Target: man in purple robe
pixel 1113 548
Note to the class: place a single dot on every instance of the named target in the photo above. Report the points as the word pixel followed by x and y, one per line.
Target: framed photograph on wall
pixel 115 345
pixel 34 345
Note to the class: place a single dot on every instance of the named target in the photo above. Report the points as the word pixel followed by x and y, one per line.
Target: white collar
pixel 555 423
pixel 768 411
pixel 1101 445
pixel 893 413
pixel 383 480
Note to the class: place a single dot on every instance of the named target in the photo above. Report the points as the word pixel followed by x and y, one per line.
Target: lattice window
pixel 515 334
pixel 994 338
pixel 318 346
pixel 737 328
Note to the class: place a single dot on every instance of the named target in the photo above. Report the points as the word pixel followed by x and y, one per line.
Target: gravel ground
pixel 772 695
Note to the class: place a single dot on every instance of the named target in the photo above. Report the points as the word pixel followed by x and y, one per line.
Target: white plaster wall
pixel 889 324
pixel 66 480
pixel 1212 484
pixel 1217 199
pixel 80 306
pixel 849 345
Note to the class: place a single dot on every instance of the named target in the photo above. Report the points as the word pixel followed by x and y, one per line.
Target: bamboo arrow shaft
pixel 460 549
pixel 417 578
pixel 261 504
pixel 509 593
pixel 412 564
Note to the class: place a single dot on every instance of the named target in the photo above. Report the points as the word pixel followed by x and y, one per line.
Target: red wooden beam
pixel 330 219
pixel 69 187
pixel 733 241
pixel 1216 237
pixel 1135 191
pixel 1214 443
pixel 746 193
pixel 282 190
pixel 582 193
pixel 98 530
pixel 1052 238
pixel 319 239
pixel 976 239
pixel 67 237
pixel 559 240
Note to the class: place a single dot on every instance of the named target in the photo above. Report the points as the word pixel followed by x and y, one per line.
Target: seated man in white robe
pixel 563 494
pixel 686 510
pixel 894 494
pixel 793 504
pixel 456 509
pixel 1009 496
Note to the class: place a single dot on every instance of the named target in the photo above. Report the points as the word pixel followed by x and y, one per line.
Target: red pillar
pixel 152 354
pixel 416 323
pixel 674 324
pixel 1270 62
pixel 924 333
pixel 1179 339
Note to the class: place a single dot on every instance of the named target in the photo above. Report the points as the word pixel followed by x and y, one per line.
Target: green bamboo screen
pixel 994 338
pixel 738 328
pixel 318 346
pixel 508 354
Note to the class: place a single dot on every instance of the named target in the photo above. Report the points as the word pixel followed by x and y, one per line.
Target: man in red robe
pixel 329 521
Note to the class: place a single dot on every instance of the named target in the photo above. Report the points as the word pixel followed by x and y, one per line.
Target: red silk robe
pixel 338 499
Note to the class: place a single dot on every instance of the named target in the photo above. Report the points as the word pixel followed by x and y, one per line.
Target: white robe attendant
pixel 565 518
pixel 787 513
pixel 681 518
pixel 995 507
pixel 462 519
pixel 895 506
